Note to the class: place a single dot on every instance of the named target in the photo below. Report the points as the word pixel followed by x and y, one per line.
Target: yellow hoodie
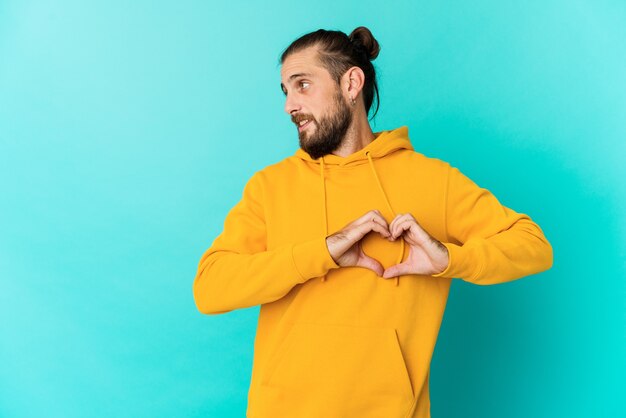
pixel 341 342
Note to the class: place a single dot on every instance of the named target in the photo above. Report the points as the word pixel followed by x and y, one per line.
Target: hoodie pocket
pixel 338 371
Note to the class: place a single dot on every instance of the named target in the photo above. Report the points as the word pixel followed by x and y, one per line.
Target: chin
pixel 306 135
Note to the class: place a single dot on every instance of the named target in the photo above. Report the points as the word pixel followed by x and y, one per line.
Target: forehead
pixel 301 62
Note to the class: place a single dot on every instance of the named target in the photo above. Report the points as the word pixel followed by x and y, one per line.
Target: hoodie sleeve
pixel 489 243
pixel 238 271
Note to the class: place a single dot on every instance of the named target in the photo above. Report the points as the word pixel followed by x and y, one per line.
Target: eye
pixel 302 84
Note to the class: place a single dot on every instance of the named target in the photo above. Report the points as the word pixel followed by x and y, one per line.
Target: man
pixel 350 247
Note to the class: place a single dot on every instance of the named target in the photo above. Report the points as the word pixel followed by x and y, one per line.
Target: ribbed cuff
pixel 459 265
pixel 312 259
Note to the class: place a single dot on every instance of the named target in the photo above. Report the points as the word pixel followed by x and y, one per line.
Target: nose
pixel 291 104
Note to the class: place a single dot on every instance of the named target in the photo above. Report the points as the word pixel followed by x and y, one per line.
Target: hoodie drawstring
pixel 380 186
pixel 324 203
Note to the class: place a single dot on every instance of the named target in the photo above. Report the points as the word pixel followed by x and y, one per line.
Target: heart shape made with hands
pixel 383 250
pixel 426 255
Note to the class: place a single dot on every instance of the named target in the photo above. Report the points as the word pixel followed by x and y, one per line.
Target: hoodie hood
pixel 383 144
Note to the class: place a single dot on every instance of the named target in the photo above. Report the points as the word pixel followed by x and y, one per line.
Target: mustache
pixel 300 117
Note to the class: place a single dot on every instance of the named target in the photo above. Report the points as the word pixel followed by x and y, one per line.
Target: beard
pixel 330 130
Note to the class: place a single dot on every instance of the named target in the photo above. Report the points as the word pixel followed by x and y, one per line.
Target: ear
pixel 353 81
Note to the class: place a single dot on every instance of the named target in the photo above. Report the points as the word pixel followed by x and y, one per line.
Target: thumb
pixel 397 270
pixel 370 263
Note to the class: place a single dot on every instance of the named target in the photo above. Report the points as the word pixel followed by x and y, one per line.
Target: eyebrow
pixel 291 77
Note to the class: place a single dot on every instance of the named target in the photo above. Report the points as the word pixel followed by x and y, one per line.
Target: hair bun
pixel 362 37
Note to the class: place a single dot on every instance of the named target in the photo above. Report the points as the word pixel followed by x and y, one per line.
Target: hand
pixel 426 254
pixel 345 246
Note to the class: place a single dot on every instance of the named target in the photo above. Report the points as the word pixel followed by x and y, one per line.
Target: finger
pixel 370 263
pixel 417 235
pixel 353 235
pixel 367 216
pixel 397 220
pixel 374 215
pixel 398 270
pixel 379 219
pixel 401 226
pixel 373 226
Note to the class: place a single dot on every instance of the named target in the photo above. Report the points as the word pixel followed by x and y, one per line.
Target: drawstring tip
pixel 397 280
pixel 324 278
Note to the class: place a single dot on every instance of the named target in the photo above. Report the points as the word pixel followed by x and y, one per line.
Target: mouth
pixel 303 125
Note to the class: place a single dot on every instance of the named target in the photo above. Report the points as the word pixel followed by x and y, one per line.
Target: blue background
pixel 128 130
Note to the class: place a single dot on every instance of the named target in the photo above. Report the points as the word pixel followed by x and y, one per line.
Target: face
pixel 315 102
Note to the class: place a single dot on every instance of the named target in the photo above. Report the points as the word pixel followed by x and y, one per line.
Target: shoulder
pixel 277 172
pixel 419 161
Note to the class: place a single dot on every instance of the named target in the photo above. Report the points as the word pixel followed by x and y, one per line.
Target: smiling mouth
pixel 303 124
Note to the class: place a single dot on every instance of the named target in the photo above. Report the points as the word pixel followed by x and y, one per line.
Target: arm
pixel 489 243
pixel 238 271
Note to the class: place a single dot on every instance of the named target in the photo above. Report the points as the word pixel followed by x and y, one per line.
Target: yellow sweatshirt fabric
pixel 341 342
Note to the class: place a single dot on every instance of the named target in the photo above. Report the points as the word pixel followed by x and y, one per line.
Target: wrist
pixel 445 259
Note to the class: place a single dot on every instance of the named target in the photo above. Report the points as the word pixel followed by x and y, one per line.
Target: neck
pixel 359 135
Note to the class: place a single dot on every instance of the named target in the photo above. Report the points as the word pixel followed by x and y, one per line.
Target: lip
pixel 301 128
